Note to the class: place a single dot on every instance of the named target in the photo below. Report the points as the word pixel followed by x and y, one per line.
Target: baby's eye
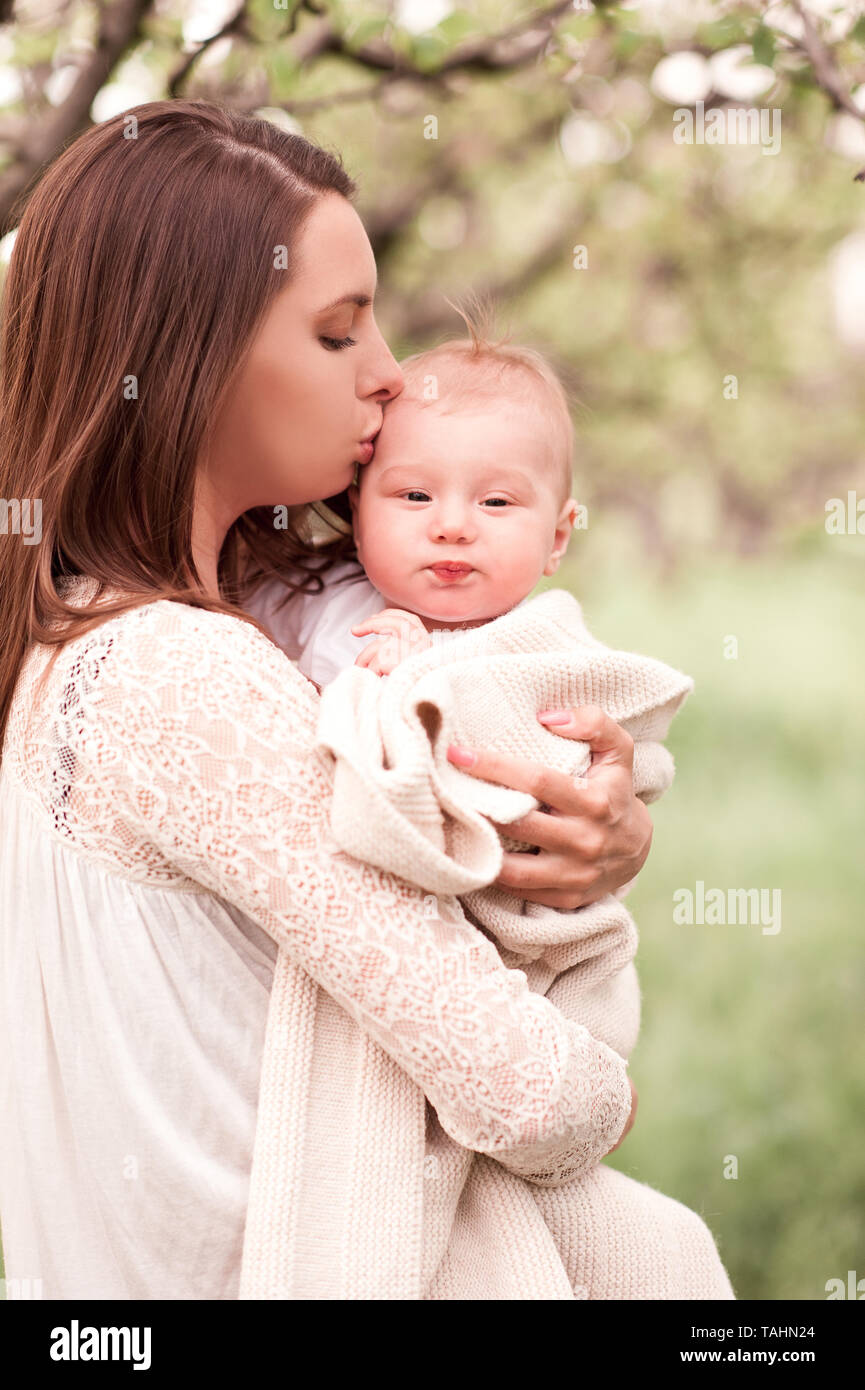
pixel 416 494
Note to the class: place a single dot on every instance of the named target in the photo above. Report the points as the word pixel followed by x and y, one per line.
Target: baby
pixel 466 504
pixel 464 507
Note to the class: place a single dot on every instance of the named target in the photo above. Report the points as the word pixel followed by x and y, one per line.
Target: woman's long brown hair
pixel 143 263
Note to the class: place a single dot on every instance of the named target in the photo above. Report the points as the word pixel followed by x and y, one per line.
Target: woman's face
pixel 291 427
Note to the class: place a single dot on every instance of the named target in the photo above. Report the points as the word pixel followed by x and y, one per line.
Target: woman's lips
pixel 365 451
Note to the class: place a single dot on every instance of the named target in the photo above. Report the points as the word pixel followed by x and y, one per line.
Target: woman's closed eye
pixel 335 344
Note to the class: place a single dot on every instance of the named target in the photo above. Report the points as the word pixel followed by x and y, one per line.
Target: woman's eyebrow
pixel 361 300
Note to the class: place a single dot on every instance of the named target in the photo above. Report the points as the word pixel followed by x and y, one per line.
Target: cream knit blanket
pixel 400 805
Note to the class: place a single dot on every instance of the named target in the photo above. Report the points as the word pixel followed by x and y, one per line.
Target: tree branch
pixel 515 47
pixel 119 28
pixel 447 174
pixel 237 24
pixel 826 74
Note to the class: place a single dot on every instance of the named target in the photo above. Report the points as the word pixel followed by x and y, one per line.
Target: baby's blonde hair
pixel 475 368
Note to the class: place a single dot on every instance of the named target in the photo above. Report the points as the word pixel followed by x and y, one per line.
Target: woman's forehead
pixel 335 260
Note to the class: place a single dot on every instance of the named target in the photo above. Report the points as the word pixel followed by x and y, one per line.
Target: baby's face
pixel 475 489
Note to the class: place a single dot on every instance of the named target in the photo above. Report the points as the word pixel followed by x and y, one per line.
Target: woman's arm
pixel 597 838
pixel 206 734
pixel 597 843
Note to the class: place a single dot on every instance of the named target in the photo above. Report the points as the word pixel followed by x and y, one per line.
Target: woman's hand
pixel 598 834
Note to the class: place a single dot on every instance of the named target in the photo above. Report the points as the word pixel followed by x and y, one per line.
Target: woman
pixel 189 346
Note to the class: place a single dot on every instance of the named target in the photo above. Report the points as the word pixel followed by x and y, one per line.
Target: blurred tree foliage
pixel 704 332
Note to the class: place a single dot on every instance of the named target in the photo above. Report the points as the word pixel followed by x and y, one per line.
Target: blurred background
pixel 662 196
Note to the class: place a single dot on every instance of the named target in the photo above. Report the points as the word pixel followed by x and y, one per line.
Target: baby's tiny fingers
pixel 367 655
pixel 387 627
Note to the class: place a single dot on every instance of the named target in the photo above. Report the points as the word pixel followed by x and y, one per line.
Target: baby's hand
pixel 404 633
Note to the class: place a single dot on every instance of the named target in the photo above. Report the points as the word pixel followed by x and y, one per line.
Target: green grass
pixel 751 1044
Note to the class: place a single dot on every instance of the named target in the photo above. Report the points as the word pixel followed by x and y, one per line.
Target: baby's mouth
pixel 451 573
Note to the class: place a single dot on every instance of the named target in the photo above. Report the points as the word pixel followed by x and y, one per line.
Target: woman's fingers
pixel 589 724
pixel 547 784
pixel 597 832
pixel 539 878
pixel 539 828
pixel 611 747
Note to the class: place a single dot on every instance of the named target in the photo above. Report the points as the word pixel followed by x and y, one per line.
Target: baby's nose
pixel 453 524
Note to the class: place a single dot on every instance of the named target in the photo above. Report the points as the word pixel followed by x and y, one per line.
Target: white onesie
pixel 315 629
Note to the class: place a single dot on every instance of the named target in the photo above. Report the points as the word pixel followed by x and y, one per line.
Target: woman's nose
pixel 386 376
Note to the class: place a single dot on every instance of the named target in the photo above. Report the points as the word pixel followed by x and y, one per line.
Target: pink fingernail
pixel 463 756
pixel 554 716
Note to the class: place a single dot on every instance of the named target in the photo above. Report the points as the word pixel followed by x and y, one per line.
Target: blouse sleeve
pixel 206 733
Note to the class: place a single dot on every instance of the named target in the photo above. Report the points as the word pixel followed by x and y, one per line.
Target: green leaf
pixel 763 44
pixel 428 51
pixel 359 34
pixel 283 68
pixel 456 27
pixel 627 42
pixel 725 32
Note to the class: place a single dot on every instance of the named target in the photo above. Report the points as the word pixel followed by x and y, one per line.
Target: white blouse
pixel 155 996
pixel 158 999
pixel 163 823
